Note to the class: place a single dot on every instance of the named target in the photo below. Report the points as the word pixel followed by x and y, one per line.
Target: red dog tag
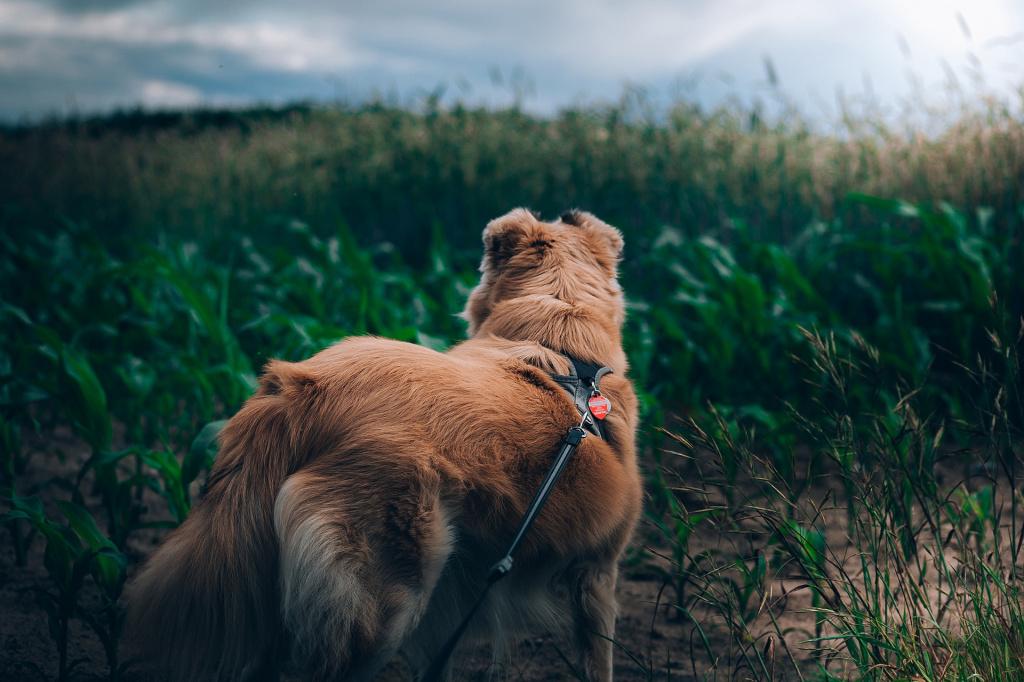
pixel 599 406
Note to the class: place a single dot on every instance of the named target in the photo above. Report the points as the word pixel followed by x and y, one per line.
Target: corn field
pixel 825 331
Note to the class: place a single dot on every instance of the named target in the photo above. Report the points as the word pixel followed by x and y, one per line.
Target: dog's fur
pixel 360 496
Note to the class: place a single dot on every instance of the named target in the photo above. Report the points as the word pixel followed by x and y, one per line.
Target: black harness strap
pixel 584 381
pixel 581 383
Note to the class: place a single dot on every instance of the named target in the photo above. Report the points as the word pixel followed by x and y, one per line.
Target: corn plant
pixel 75 550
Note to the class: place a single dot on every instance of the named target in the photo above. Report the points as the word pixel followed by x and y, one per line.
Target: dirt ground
pixel 654 641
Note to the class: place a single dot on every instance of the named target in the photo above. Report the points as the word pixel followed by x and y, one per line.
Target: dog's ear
pixel 588 221
pixel 507 235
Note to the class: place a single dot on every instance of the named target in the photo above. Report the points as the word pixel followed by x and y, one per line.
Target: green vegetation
pixel 830 380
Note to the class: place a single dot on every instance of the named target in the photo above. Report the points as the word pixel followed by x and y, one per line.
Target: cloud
pixel 160 94
pixel 107 53
pixel 276 46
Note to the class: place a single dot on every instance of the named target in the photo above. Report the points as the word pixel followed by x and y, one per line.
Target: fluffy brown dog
pixel 360 496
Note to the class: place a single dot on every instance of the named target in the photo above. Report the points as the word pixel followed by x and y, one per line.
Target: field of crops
pixel 825 332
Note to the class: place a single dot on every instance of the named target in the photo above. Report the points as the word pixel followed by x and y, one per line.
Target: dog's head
pixel 573 260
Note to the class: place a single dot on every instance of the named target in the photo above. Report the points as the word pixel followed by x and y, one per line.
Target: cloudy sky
pixel 61 56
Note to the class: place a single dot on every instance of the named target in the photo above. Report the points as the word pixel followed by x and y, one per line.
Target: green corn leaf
pixel 202 452
pixel 89 404
pixel 108 563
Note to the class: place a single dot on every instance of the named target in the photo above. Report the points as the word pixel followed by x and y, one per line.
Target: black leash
pixel 504 565
pixel 589 376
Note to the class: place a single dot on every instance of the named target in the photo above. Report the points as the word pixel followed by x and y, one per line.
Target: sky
pixel 60 57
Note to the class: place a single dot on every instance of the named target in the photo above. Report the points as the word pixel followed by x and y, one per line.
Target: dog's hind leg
pixel 357 567
pixel 594 609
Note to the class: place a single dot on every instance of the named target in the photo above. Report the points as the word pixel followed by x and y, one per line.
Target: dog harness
pixel 583 384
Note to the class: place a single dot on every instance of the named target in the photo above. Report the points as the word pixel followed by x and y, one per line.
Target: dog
pixel 360 496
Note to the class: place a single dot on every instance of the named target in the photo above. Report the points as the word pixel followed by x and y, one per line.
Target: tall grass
pixel 902 547
pixel 392 174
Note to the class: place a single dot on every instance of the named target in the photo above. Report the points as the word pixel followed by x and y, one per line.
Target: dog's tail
pixel 206 603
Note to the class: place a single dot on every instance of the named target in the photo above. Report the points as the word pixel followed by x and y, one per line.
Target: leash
pixel 587 376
